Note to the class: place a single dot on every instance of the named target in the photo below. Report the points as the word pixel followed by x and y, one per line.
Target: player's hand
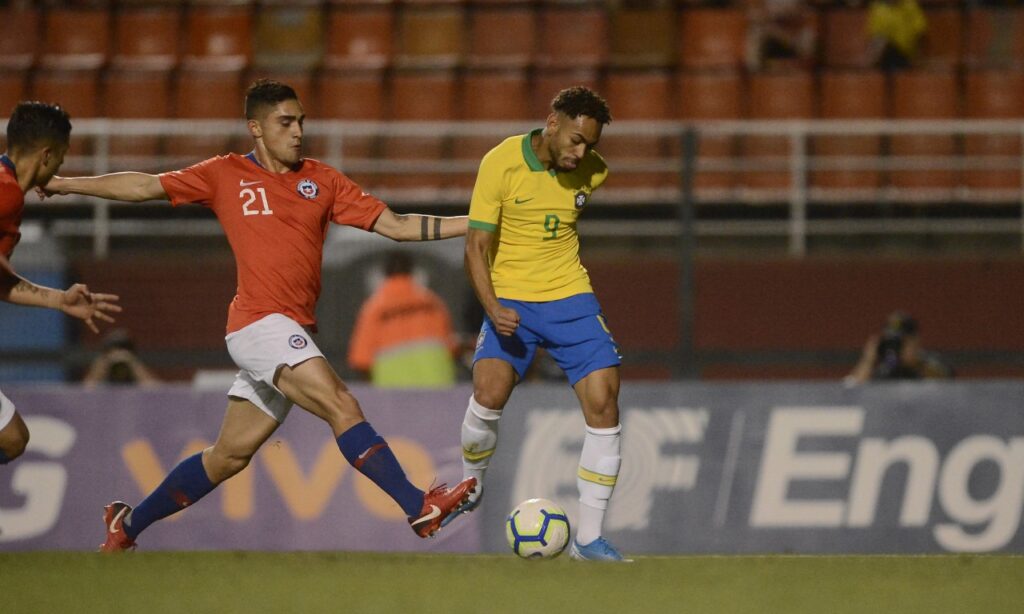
pixel 505 319
pixel 86 306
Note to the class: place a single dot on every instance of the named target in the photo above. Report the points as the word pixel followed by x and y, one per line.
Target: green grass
pixel 197 582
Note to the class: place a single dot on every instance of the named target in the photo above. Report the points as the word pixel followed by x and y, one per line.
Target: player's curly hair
pixel 266 93
pixel 579 100
pixel 33 123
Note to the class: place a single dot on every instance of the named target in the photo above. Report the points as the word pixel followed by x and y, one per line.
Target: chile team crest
pixel 581 199
pixel 308 189
pixel 297 342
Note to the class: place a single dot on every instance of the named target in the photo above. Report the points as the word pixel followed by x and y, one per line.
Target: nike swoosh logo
pixel 434 513
pixel 525 200
pixel 113 523
pixel 242 182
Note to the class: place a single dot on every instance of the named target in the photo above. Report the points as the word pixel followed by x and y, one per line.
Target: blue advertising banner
pixel 707 468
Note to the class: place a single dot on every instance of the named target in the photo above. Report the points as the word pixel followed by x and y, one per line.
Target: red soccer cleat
pixel 438 503
pixel 113 517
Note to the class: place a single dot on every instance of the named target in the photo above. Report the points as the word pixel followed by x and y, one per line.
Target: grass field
pixel 199 582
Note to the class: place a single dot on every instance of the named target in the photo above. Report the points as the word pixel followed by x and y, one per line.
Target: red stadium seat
pixel 76 39
pixel 289 37
pixel 640 95
pixel 850 95
pixel 712 96
pixel 19 37
pixel 924 95
pixel 218 38
pixel 430 37
pixel 776 96
pixel 942 44
pixel 206 94
pixel 352 95
pixel 75 90
pixel 845 41
pixel 146 38
pixel 136 94
pixel 425 95
pixel 495 95
pixel 359 36
pixel 712 38
pixel 642 37
pixel 502 36
pixel 995 37
pixel 994 94
pixel 586 42
pixel 13 89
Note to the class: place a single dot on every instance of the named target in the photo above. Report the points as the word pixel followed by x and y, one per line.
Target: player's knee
pixel 603 411
pixel 14 443
pixel 224 462
pixel 342 410
pixel 489 397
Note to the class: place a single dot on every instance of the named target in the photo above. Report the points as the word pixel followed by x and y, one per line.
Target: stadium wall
pixel 708 468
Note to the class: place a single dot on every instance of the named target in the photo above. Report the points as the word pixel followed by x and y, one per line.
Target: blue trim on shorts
pixel 572 330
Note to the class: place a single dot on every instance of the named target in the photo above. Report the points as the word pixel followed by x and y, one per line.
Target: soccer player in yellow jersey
pixel 522 258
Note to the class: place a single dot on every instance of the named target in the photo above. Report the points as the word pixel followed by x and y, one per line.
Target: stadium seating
pixel 13 88
pixel 712 96
pixel 712 38
pixel 844 41
pixel 850 94
pixel 19 38
pixel 547 82
pixel 642 37
pixel 205 94
pixel 645 150
pixel 942 44
pixel 419 95
pixel 351 95
pixel 586 42
pixel 137 94
pixel 146 39
pixel 218 38
pixel 289 37
pixel 75 39
pixel 994 37
pixel 502 37
pixel 924 95
pixel 430 37
pixel 994 94
pixel 76 90
pixel 775 96
pixel 359 36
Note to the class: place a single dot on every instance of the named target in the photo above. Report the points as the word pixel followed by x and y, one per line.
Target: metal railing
pixel 796 164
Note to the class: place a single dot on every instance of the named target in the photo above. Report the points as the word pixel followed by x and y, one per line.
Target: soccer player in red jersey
pixel 275 207
pixel 37 139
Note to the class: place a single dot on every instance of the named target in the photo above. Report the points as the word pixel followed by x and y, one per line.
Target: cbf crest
pixel 308 189
pixel 581 199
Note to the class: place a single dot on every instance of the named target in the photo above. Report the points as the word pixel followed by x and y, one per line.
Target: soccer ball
pixel 537 529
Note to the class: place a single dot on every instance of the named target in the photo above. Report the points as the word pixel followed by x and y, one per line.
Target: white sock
pixel 595 478
pixel 479 440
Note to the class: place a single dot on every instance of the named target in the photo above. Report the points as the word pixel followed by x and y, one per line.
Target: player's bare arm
pixel 478 245
pixel 416 227
pixel 129 186
pixel 76 301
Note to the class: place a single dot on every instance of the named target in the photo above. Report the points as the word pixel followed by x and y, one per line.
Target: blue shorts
pixel 572 330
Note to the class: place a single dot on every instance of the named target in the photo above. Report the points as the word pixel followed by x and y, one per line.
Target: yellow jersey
pixel 532 212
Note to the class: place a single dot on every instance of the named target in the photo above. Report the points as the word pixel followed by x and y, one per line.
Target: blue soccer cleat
pixel 597 550
pixel 467 507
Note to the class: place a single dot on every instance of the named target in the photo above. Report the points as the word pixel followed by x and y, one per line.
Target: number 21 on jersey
pixel 250 198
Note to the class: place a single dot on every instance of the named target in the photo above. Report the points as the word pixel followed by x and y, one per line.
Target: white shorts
pixel 260 350
pixel 6 411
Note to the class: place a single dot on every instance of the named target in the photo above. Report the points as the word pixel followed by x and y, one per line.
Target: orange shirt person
pixel 403 334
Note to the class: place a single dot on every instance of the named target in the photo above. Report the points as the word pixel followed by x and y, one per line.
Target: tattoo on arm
pixel 24 286
pixel 426 234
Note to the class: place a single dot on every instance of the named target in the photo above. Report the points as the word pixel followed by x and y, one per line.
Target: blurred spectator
pixel 403 336
pixel 781 34
pixel 118 364
pixel 897 353
pixel 896 28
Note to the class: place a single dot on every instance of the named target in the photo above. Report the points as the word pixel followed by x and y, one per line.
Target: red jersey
pixel 276 224
pixel 12 205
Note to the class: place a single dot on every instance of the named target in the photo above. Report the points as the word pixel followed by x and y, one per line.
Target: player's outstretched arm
pixel 133 187
pixel 76 301
pixel 416 227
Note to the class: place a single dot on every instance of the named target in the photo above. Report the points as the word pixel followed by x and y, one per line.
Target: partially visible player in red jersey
pixel 37 139
pixel 275 207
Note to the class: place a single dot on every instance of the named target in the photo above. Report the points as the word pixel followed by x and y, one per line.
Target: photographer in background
pixel 897 354
pixel 118 364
